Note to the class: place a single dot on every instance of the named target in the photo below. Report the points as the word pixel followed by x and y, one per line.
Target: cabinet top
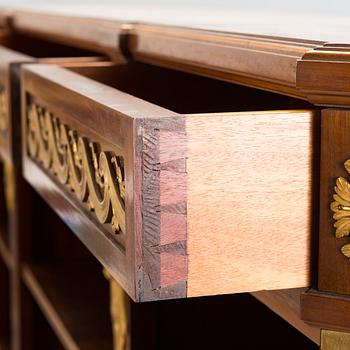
pixel 300 52
pixel 311 20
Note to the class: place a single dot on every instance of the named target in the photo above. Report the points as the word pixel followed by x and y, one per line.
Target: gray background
pixel 312 6
pixel 325 20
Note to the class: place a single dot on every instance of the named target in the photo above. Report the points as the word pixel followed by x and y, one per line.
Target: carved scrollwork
pixel 3 111
pixel 94 175
pixel 341 208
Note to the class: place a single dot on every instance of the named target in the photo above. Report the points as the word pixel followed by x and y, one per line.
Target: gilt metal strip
pixel 3 111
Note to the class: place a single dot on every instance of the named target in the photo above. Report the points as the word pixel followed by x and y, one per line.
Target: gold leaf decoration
pixel 94 175
pixel 120 313
pixel 3 111
pixel 341 208
pixel 345 249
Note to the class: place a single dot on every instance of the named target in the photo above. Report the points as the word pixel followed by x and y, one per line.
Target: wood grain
pixel 258 166
pixel 249 201
pixel 164 196
pixel 260 61
pixel 88 33
pixel 327 306
pixel 326 310
pixel 18 205
pixel 89 107
pixel 281 63
pixel 323 74
pixel 334 267
pixel 106 248
pixel 217 203
pixel 9 79
pixel 19 211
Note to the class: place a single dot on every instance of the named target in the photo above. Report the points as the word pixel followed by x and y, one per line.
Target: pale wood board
pixel 249 201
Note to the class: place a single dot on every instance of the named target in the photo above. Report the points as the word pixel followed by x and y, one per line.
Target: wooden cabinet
pixel 180 163
pixel 15 215
pixel 67 285
pixel 158 190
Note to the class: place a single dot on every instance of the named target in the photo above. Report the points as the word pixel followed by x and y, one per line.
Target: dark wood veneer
pixel 326 310
pixel 334 267
pixel 63 289
pixel 15 230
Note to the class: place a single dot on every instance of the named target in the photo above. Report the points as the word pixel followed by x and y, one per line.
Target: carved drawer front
pixel 169 179
pixel 15 50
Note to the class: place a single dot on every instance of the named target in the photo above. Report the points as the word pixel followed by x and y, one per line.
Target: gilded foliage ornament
pixel 95 176
pixel 341 208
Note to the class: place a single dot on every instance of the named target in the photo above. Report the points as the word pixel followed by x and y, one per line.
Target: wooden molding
pixel 326 310
pixel 10 102
pixel 264 62
pixel 314 70
pixel 306 69
pixel 323 75
pixel 87 33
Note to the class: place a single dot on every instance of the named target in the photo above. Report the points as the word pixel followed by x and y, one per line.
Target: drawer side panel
pixel 249 201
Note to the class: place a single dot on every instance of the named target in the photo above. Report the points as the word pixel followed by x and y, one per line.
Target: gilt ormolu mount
pixel 3 112
pixel 341 209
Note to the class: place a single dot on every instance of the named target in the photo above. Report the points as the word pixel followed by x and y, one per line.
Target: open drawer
pixel 16 49
pixel 169 178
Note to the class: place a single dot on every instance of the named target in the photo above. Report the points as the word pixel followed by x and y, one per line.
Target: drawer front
pixel 82 153
pixel 173 205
